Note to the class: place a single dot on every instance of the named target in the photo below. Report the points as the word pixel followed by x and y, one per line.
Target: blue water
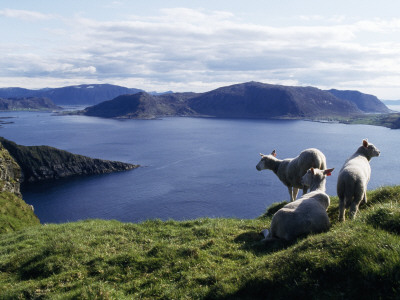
pixel 192 167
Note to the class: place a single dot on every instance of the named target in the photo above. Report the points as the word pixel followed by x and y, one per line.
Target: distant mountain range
pixel 72 95
pixel 246 100
pixel 27 103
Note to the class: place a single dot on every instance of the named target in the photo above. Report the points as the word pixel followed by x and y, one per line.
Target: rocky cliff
pixel 47 163
pixel 10 173
pixel 15 214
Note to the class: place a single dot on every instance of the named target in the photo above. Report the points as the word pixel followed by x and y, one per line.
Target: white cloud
pixel 24 14
pixel 184 49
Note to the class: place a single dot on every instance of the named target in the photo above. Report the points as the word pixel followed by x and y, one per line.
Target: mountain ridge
pixel 84 94
pixel 244 100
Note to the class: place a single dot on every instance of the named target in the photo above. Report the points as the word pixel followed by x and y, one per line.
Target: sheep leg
pixel 364 200
pixel 295 192
pixel 358 198
pixel 341 209
pixel 353 210
pixel 290 193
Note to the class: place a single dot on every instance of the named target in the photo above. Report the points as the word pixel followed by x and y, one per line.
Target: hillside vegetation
pixel 15 214
pixel 206 259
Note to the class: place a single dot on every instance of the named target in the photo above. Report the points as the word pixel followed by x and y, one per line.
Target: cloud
pixel 24 15
pixel 188 49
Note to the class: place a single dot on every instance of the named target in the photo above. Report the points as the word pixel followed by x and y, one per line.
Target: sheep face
pixel 266 162
pixel 314 177
pixel 371 150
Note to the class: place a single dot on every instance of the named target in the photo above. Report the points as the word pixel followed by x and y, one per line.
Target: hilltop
pixel 207 258
pixel 246 100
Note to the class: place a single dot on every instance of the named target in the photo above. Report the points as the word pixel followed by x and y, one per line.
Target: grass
pixel 206 259
pixel 15 214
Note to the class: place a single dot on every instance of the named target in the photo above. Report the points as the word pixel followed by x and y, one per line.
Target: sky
pixel 202 45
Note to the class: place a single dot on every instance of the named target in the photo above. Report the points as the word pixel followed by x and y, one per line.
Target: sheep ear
pixel 312 171
pixel 365 143
pixel 273 153
pixel 261 154
pixel 328 172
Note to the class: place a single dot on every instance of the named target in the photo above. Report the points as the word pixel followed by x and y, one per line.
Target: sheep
pixel 353 179
pixel 305 215
pixel 290 170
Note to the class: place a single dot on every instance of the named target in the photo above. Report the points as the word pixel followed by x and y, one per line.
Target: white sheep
pixel 307 214
pixel 290 170
pixel 353 179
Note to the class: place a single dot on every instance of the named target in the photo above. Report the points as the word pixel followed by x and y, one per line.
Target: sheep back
pixel 353 178
pixel 291 170
pixel 302 217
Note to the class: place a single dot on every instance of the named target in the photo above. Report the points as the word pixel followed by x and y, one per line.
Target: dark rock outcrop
pixel 47 163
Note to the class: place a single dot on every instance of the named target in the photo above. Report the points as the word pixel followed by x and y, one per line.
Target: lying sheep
pixel 290 170
pixel 306 215
pixel 353 179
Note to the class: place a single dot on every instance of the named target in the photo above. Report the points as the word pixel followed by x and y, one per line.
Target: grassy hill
pixel 206 259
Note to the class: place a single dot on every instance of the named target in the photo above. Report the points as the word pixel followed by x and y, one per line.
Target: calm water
pixel 192 167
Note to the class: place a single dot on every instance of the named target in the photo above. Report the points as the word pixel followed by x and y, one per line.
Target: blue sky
pixel 201 45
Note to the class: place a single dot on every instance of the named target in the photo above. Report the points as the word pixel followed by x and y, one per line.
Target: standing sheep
pixel 290 170
pixel 306 215
pixel 353 179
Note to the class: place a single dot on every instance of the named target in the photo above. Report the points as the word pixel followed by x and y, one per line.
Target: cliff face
pixel 10 173
pixel 47 163
pixel 15 214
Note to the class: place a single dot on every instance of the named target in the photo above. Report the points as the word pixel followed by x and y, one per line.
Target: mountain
pixel 46 163
pixel 72 95
pixel 27 103
pixel 142 106
pixel 246 100
pixel 87 94
pixel 259 100
pixel 366 103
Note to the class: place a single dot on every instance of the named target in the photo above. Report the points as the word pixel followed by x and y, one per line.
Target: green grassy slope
pixel 15 214
pixel 206 258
